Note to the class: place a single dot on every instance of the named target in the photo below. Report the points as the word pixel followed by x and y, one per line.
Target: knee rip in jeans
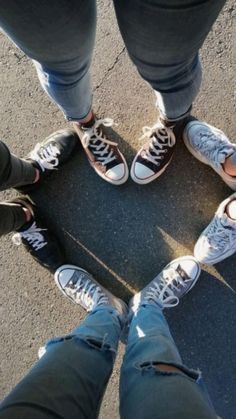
pixel 101 345
pixel 182 370
pixel 94 342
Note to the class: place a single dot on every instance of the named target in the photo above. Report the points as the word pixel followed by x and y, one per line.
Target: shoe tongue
pixel 224 154
pixel 227 222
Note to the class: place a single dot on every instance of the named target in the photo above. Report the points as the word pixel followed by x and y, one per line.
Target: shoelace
pixel 33 237
pixel 220 236
pixel 96 140
pixel 46 156
pixel 86 292
pixel 161 137
pixel 164 289
pixel 213 147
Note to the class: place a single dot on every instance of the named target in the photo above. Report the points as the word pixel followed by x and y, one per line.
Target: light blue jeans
pixel 71 377
pixel 162 37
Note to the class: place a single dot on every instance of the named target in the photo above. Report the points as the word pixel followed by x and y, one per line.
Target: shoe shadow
pixel 109 230
pixel 125 235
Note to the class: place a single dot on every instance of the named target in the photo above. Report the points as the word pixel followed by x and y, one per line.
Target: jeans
pixel 70 378
pixel 13 172
pixel 162 37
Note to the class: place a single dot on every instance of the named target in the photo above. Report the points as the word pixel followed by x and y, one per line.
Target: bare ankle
pixel 231 209
pixel 229 165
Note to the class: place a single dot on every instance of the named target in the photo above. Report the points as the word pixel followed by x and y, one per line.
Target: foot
pixel 103 154
pixel 176 279
pixel 155 155
pixel 218 240
pixel 50 155
pixel 37 239
pixel 210 146
pixel 81 288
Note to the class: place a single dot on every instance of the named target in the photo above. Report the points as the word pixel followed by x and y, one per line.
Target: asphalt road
pixel 123 235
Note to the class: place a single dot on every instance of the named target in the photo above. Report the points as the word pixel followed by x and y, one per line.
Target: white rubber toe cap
pixel 117 173
pixel 140 172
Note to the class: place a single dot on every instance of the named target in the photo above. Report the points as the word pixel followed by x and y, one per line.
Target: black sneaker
pixel 37 239
pixel 103 154
pixel 50 154
pixel 156 154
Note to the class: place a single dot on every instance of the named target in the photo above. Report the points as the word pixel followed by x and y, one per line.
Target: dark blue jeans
pixel 162 37
pixel 70 378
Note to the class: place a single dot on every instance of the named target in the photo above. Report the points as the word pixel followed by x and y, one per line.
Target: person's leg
pixel 218 240
pixel 163 39
pixel 59 37
pixel 71 376
pixel 154 381
pixel 21 216
pixel 26 175
pixel 13 170
pixel 212 147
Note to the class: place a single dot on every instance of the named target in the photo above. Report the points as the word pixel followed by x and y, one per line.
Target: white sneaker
pixel 211 146
pixel 81 288
pixel 218 240
pixel 176 279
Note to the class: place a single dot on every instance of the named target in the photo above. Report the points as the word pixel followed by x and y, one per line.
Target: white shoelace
pixel 213 148
pixel 163 290
pixel 33 237
pixel 161 137
pixel 46 156
pixel 87 293
pixel 102 151
pixel 220 236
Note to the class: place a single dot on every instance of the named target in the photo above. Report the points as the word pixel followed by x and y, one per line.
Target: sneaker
pixel 176 279
pixel 211 146
pixel 37 239
pixel 218 240
pixel 155 155
pixel 103 154
pixel 51 154
pixel 81 288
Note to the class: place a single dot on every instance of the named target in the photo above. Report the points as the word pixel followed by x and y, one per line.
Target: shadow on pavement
pixel 125 235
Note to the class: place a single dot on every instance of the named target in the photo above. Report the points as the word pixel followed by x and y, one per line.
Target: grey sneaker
pixel 218 240
pixel 81 288
pixel 211 146
pixel 176 279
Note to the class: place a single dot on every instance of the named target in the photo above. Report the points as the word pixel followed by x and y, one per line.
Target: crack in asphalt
pixel 110 69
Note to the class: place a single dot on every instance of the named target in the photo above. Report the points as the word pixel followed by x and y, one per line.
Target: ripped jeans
pixel 70 378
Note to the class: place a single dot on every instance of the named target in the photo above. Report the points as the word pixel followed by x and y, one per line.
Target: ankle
pixel 229 165
pixel 231 209
pixel 88 121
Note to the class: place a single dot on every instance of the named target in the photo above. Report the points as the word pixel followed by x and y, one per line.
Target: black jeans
pixel 13 172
